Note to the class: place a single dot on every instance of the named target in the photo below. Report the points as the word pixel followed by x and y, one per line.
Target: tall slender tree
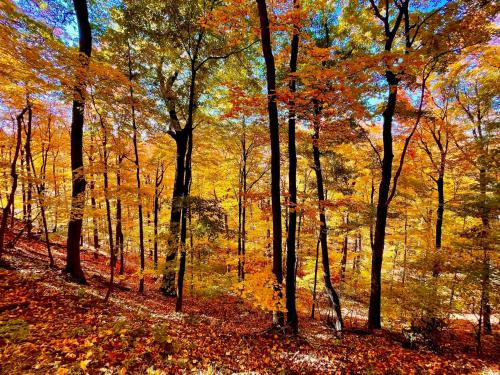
pixel 272 110
pixel 73 265
pixel 291 259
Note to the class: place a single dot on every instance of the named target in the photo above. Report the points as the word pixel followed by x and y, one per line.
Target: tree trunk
pixel 29 187
pixel 160 172
pixel 112 250
pixel 485 300
pixel 73 265
pixel 118 228
pixel 14 176
pixel 405 249
pixel 374 321
pixel 292 318
pixel 137 175
pixel 315 279
pixel 439 223
pixel 41 202
pixel 182 260
pixel 330 291
pixel 240 221
pixel 188 130
pixel 244 211
pixel 343 263
pixel 168 284
pixel 278 318
pixel 93 203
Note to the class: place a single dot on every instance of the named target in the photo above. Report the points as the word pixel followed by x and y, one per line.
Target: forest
pixel 249 187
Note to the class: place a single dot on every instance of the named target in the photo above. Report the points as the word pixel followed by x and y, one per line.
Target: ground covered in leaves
pixel 51 325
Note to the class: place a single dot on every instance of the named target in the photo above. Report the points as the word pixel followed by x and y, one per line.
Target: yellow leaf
pixel 84 364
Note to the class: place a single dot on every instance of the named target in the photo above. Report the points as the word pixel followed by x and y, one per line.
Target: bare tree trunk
pixel 93 204
pixel 160 170
pixel 40 187
pixel 278 317
pixel 330 291
pixel 137 174
pixel 343 263
pixel 315 279
pixel 182 261
pixel 29 187
pixel 73 265
pixel 292 317
pixel 14 176
pixel 118 229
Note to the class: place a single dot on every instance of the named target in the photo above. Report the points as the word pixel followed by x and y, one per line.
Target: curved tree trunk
pixel 14 176
pixel 330 291
pixel 374 321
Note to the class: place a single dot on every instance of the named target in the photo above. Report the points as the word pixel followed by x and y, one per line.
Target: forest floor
pixel 49 325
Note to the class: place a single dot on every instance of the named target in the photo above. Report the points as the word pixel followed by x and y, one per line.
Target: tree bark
pixel 485 219
pixel 182 260
pixel 278 318
pixel 73 264
pixel 40 190
pixel 292 318
pixel 374 321
pixel 29 186
pixel 137 174
pixel 330 291
pixel 168 284
pixel 118 228
pixel 158 181
pixel 343 262
pixel 14 176
pixel 188 130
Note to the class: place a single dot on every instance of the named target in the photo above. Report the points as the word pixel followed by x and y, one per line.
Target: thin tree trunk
pixel 156 209
pixel 330 291
pixel 118 229
pixel 137 175
pixel 439 222
pixel 292 317
pixel 168 284
pixel 112 251
pixel 29 187
pixel 188 130
pixel 93 204
pixel 73 264
pixel 14 176
pixel 485 308
pixel 240 221
pixel 343 263
pixel 278 318
pixel 315 279
pixel 56 194
pixel 40 190
pixel 244 214
pixel 405 249
pixel 182 260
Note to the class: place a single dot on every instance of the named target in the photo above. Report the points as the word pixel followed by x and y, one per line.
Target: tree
pixel 14 176
pixel 292 318
pixel 272 109
pixel 73 265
